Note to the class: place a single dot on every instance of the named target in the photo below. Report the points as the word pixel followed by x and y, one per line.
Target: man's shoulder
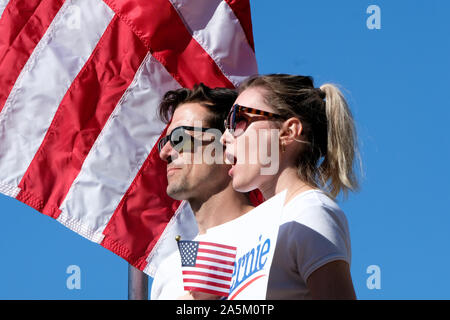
pixel 169 262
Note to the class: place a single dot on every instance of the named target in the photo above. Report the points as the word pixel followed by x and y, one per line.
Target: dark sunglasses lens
pixel 162 143
pixel 233 117
pixel 228 124
pixel 240 125
pixel 181 140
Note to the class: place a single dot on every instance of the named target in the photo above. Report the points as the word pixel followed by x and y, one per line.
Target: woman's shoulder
pixel 317 224
pixel 314 206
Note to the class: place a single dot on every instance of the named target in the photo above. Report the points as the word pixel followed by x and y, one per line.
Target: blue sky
pixel 396 80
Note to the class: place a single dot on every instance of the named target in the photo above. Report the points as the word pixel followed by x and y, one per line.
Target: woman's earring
pixel 283 149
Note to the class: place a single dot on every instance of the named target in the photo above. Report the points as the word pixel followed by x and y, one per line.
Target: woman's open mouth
pixel 230 159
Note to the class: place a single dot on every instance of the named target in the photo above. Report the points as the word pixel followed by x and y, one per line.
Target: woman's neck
pixel 288 179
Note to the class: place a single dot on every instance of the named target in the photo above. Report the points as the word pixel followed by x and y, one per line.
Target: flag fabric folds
pixel 80 82
pixel 207 267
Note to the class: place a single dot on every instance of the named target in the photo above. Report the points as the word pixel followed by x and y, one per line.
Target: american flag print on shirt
pixel 207 266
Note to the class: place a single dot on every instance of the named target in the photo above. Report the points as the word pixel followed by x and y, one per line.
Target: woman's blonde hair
pixel 328 160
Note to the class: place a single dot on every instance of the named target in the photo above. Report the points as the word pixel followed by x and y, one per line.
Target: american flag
pixel 80 82
pixel 207 266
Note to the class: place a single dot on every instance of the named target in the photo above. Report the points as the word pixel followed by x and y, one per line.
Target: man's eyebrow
pixel 168 132
pixel 171 127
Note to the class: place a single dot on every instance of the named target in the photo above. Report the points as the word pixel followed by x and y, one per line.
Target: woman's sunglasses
pixel 239 119
pixel 181 140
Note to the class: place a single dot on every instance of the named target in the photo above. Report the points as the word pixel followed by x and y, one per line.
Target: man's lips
pixel 171 170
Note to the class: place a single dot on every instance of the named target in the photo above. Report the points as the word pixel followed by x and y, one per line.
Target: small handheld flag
pixel 207 266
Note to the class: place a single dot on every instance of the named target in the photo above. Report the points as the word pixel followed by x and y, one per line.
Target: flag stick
pixel 137 284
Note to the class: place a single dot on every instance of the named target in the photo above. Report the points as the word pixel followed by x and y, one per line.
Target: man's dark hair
pixel 218 101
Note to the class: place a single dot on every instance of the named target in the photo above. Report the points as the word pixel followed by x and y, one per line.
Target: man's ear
pixel 290 131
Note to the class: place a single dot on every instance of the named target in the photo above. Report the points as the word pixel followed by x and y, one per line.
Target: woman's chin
pixel 246 177
pixel 242 186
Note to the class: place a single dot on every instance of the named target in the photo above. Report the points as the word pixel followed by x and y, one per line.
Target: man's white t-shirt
pixel 168 280
pixel 313 232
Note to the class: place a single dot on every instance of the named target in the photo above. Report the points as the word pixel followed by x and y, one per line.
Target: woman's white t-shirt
pixel 313 232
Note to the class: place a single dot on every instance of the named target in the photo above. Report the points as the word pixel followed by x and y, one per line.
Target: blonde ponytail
pixel 337 169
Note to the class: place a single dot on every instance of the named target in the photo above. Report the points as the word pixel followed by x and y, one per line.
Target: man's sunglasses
pixel 181 140
pixel 239 119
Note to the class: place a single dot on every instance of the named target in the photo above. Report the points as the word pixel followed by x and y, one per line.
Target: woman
pixel 317 149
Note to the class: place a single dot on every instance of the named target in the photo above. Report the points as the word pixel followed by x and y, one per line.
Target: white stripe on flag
pixel 219 273
pixel 214 26
pixel 202 285
pixel 215 256
pixel 206 278
pixel 3 4
pixel 124 143
pixel 43 82
pixel 182 223
pixel 9 190
pixel 213 247
pixel 214 264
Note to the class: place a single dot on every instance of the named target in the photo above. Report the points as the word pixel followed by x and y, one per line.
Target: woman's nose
pixel 226 137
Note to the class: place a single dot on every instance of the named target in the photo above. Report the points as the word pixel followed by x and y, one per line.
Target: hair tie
pixel 321 93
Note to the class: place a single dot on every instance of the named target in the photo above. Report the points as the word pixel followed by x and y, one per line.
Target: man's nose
pixel 167 153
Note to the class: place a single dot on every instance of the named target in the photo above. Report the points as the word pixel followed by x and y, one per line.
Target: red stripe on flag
pixel 146 209
pixel 217 245
pixel 81 116
pixel 167 38
pixel 14 18
pixel 230 255
pixel 214 268
pixel 204 274
pixel 256 197
pixel 217 293
pixel 22 26
pixel 228 263
pixel 209 283
pixel 241 9
pixel 142 214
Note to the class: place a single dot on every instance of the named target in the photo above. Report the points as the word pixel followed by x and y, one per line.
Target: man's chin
pixel 176 194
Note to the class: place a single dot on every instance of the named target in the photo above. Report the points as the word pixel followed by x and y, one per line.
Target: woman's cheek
pixel 253 155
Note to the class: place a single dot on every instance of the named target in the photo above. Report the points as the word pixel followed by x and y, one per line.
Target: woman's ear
pixel 290 131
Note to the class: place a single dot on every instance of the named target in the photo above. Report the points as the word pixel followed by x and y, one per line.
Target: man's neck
pixel 219 208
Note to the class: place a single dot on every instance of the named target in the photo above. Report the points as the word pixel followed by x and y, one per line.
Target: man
pixel 205 184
